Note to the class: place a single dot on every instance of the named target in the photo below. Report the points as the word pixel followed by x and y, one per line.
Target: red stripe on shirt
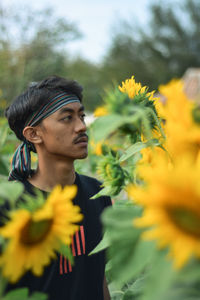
pixel 82 238
pixel 65 264
pixel 70 266
pixel 78 243
pixel 73 248
pixel 61 266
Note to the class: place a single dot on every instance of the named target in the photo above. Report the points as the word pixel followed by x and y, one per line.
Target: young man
pixel 49 119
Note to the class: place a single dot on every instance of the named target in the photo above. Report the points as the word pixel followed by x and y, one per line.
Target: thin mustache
pixel 80 136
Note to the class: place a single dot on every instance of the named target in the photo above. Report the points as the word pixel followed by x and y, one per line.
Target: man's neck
pixel 48 175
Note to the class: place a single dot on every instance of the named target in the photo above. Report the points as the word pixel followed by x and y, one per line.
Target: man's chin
pixel 82 156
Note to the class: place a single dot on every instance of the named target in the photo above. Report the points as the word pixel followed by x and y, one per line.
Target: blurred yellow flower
pixel 100 111
pixel 3 103
pixel 183 134
pixel 149 154
pixel 34 237
pixel 160 108
pixel 171 201
pixel 96 147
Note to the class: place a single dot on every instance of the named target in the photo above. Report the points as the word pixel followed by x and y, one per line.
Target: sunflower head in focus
pixel 142 103
pixel 171 202
pixel 132 88
pixel 33 237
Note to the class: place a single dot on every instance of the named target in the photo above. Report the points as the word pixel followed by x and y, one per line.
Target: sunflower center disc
pixel 187 220
pixel 35 232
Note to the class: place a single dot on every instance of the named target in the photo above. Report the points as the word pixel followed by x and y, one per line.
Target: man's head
pixel 49 117
pixel 37 95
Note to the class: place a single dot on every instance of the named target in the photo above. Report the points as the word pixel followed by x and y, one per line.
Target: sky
pixel 95 20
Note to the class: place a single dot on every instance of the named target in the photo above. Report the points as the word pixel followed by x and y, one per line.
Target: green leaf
pixel 29 201
pixel 2 201
pixel 38 296
pixel 65 250
pixel 3 134
pixel 182 292
pixel 11 190
pixel 106 191
pixel 18 294
pixel 160 278
pixel 132 150
pixel 137 286
pixel 190 273
pixel 102 245
pixel 3 168
pixel 127 252
pixel 129 295
pixel 136 148
pixel 106 125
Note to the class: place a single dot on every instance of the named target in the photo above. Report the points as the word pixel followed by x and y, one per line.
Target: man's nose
pixel 80 126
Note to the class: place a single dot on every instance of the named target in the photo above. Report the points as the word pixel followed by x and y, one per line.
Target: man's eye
pixel 67 118
pixel 83 116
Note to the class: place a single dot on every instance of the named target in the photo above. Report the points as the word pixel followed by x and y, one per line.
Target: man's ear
pixel 32 134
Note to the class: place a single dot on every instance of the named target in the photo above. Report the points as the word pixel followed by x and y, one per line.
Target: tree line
pixel 33 45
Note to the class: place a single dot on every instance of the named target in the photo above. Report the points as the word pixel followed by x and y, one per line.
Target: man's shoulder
pixel 93 186
pixel 89 180
pixel 89 183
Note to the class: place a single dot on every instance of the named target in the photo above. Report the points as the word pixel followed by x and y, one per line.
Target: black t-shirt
pixel 83 280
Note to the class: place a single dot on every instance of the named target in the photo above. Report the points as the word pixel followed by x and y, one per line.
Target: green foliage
pixel 113 174
pixel 15 190
pixel 7 146
pixel 128 254
pixel 137 269
pixel 37 51
pixel 163 49
pixel 137 147
pixel 110 124
pixel 87 74
pixel 22 294
pixel 17 294
pixel 65 250
pixel 102 245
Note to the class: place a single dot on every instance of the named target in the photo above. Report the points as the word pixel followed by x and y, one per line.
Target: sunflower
pixel 171 201
pixel 96 148
pixel 100 111
pixel 33 237
pixel 149 154
pixel 181 129
pixel 133 88
pixel 110 170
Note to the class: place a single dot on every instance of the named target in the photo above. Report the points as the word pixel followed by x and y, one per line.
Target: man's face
pixel 64 132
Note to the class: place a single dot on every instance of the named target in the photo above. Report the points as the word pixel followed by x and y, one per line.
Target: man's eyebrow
pixel 67 109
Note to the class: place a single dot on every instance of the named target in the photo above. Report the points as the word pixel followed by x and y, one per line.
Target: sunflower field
pixel 144 147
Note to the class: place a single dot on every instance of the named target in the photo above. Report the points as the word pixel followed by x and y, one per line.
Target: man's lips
pixel 83 139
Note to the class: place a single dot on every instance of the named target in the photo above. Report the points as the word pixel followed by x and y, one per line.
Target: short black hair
pixel 36 95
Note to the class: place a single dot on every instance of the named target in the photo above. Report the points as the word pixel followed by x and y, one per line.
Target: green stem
pixel 3 284
pixel 157 122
